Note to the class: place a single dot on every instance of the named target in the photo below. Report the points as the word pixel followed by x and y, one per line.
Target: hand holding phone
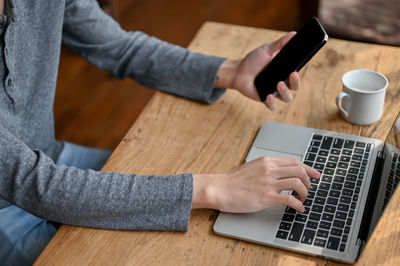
pixel 292 57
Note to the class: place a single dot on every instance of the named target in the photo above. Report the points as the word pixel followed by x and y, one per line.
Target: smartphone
pixel 308 40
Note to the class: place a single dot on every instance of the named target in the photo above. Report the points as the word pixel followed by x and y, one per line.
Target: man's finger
pixel 291 201
pixel 294 184
pixel 294 81
pixel 298 172
pixel 311 172
pixel 278 44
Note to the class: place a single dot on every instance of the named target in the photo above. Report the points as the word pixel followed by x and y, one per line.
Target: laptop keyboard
pixel 332 199
pixel 393 180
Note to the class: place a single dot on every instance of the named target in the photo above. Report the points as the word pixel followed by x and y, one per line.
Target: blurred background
pixel 92 108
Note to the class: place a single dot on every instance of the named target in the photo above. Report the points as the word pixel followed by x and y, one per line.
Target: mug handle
pixel 339 101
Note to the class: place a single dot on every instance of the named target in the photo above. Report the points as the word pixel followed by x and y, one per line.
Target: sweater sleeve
pixel 153 63
pixel 31 180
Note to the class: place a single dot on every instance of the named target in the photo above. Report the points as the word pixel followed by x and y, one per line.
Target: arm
pixel 153 63
pixel 32 181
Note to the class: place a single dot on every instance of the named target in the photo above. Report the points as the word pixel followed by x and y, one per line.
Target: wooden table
pixel 175 135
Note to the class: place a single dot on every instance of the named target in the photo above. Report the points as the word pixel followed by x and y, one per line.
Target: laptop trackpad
pixel 256 152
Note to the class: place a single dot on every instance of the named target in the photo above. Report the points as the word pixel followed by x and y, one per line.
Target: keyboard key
pixel 323 153
pixel 312 224
pixel 327 217
pixel 282 234
pixel 347 229
pixel 290 210
pixel 338 143
pixel 310 157
pixel 340 172
pixel 319 166
pixel 346 152
pixel 329 209
pixel 322 193
pixel 301 218
pixel 308 163
pixel 326 178
pixel 334 193
pixel 349 144
pixel 317 137
pixel 285 226
pixel 313 149
pixel 342 247
pixel 336 232
pixel 326 143
pixel 351 177
pixel 325 225
pixel 310 195
pixel 344 238
pixel 368 149
pixel 338 178
pixel 319 200
pixel 335 152
pixel 353 171
pixel 356 157
pixel 343 165
pixel 360 144
pixel 333 243
pixel 321 159
pixel 317 208
pixel 314 216
pixel 320 242
pixel 288 217
pixel 349 221
pixel 332 201
pixel 341 215
pixel 349 184
pixel 295 234
pixel 345 159
pixel 308 236
pixel 343 207
pixel 347 192
pixel 307 202
pixel 333 158
pixel 322 233
pixel 358 151
pixel 344 199
pixel 331 165
pixel 337 186
pixel 329 171
pixel 355 164
pixel 338 223
pixel 324 186
pixel 315 143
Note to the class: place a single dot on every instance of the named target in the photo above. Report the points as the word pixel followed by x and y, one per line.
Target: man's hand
pixel 254 186
pixel 240 74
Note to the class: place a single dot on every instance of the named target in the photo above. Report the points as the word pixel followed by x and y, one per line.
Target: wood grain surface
pixel 174 135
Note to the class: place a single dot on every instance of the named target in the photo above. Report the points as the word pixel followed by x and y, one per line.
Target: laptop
pixel 359 176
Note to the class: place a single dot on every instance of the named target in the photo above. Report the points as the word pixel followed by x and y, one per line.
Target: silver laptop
pixel 359 176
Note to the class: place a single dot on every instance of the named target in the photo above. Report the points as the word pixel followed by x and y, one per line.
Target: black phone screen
pixel 292 57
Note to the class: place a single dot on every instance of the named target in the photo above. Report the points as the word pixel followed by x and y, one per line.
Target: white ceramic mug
pixel 363 96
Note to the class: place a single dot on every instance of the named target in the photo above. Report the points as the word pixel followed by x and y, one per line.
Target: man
pixel 57 181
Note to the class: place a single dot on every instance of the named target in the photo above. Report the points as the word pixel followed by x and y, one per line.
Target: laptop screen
pixel 386 179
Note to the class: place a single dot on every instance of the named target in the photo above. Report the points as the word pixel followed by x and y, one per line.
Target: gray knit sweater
pixel 29 178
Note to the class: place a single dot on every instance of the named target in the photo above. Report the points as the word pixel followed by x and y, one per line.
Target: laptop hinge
pixel 371 198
